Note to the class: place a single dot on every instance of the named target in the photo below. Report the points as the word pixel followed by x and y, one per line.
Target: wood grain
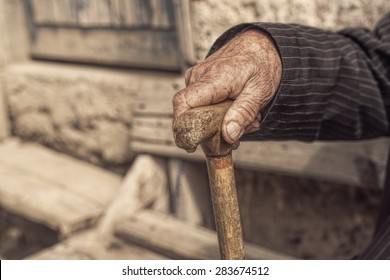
pixel 178 240
pixel 125 48
pixel 88 246
pixel 53 189
pixel 226 209
pixel 137 33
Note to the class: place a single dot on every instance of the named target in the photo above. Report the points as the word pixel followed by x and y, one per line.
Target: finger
pixel 187 76
pixel 193 74
pixel 240 115
pixel 198 94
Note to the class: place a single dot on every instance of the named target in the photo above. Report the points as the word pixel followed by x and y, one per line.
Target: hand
pixel 247 69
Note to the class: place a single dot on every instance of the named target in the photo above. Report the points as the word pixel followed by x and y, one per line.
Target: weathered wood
pixel 88 246
pixel 359 163
pixel 88 180
pixel 153 129
pixel 145 185
pixel 184 29
pixel 117 12
pixel 130 14
pixel 63 12
pixel 173 238
pixel 157 14
pixel 203 126
pixel 14 43
pixel 44 202
pixel 162 14
pixel 56 190
pixel 126 48
pixel 84 15
pixel 137 33
pixel 4 118
pixel 43 11
pixel 226 209
pixel 154 99
pixel 191 199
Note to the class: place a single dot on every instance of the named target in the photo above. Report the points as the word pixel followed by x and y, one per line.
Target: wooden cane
pixel 203 126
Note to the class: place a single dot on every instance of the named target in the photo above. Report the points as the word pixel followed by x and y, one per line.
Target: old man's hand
pixel 247 69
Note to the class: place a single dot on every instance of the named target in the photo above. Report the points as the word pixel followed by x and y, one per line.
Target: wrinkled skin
pixel 247 69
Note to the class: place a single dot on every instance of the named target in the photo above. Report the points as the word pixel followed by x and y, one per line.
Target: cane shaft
pixel 225 205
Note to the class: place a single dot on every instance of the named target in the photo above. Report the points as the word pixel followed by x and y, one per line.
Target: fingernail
pixel 233 131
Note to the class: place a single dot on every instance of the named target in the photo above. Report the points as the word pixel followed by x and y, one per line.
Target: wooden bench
pixel 53 189
pixel 359 163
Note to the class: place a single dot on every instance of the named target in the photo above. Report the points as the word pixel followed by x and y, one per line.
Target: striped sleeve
pixel 335 86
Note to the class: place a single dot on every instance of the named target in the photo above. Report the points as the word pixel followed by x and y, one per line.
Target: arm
pixel 332 86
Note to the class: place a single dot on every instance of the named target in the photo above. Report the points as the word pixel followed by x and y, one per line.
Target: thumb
pixel 241 114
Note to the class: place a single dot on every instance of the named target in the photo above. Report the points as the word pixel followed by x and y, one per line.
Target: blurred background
pixel 86 147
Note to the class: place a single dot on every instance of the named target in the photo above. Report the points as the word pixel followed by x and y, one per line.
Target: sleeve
pixel 335 86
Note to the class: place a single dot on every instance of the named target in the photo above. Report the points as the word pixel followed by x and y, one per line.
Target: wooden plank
pixel 95 14
pixel 15 35
pixel 64 13
pixel 156 14
pixel 145 185
pixel 54 12
pixel 117 12
pixel 351 163
pixel 51 188
pixel 155 97
pixel 38 13
pixel 153 129
pixel 184 31
pixel 143 48
pixel 128 15
pixel 102 15
pixel 43 11
pixel 4 118
pixel 359 163
pixel 88 246
pixel 95 183
pixel 162 14
pixel 85 13
pixel 354 163
pixel 44 201
pixel 131 15
pixel 173 238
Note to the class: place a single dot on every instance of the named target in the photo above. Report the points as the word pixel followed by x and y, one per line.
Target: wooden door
pixel 135 33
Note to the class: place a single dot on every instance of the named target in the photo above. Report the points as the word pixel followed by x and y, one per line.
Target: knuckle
pixel 188 74
pixel 178 97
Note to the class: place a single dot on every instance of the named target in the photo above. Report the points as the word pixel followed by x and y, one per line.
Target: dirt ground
pixel 305 218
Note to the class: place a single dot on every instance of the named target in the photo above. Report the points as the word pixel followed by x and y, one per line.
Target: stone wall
pixel 212 17
pixel 78 111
